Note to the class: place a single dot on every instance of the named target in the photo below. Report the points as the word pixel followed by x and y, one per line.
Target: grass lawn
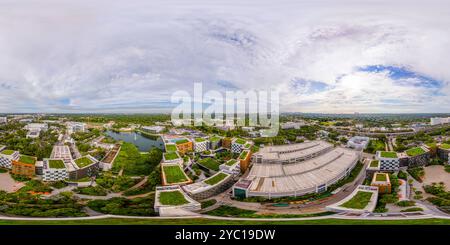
pixel 216 179
pixel 359 201
pixel 210 163
pixel 171 147
pixel 201 221
pixel 388 154
pixel 199 140
pixel 27 159
pixel 374 164
pixel 83 162
pixel 171 156
pixel 56 164
pixel 240 141
pixel 375 145
pixel 7 152
pixel 214 138
pixel 381 177
pixel 445 146
pixel 174 174
pixel 231 162
pixel 173 198
pixel 415 151
pixel 182 141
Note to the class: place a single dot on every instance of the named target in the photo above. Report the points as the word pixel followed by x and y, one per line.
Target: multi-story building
pixel 417 156
pixel 24 165
pixel 86 166
pixel 389 160
pixel 226 142
pixel 358 142
pixel 3 120
pixel 292 125
pixel 382 181
pixel 36 127
pixel 244 159
pixel 184 146
pixel 201 145
pixel 215 142
pixel 7 156
pixel 54 170
pixel 443 151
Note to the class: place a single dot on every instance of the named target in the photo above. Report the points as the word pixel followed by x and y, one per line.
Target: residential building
pixel 292 125
pixel 74 127
pixel 3 120
pixel 36 127
pixel 184 146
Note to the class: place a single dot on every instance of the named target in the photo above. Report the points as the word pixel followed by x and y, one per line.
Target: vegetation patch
pixel 388 154
pixel 415 151
pixel 56 164
pixel 171 148
pixel 174 174
pixel 231 162
pixel 216 178
pixel 445 146
pixel 7 152
pixel 243 155
pixel 415 209
pixel 173 198
pixel 27 159
pixel 208 203
pixel 91 191
pixel 171 156
pixel 381 177
pixel 134 163
pixel 183 141
pixel 359 201
pixel 240 141
pixel 142 206
pixel 417 173
pixel 374 164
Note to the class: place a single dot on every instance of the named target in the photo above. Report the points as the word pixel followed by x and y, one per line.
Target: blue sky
pixel 320 56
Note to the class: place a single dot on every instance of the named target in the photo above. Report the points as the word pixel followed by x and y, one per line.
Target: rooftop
pixel 179 142
pixel 388 154
pixel 171 147
pixel 171 156
pixel 445 146
pixel 231 162
pixel 214 138
pixel 199 140
pixel 240 141
pixel 7 152
pixel 172 198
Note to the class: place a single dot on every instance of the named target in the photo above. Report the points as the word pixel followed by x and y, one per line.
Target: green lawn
pixel 7 152
pixel 240 141
pixel 214 138
pixel 174 174
pixel 56 164
pixel 381 177
pixel 210 163
pixel 182 141
pixel 201 221
pixel 445 146
pixel 171 156
pixel 27 159
pixel 359 201
pixel 83 162
pixel 171 147
pixel 415 151
pixel 388 154
pixel 173 198
pixel 216 178
pixel 231 162
pixel 374 164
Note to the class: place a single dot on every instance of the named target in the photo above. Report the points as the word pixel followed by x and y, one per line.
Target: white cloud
pixel 115 57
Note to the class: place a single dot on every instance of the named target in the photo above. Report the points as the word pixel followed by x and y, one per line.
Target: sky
pixel 131 56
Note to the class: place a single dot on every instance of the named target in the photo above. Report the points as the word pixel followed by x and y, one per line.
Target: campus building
pixel 83 167
pixel 153 129
pixel 215 142
pixel 244 160
pixel 439 120
pixel 389 160
pixel 314 171
pixel 210 187
pixel 184 146
pixel 283 154
pixel 74 127
pixel 3 120
pixel 238 145
pixel 443 151
pixel 417 156
pixel 382 181
pixel 201 145
pixel 24 165
pixel 358 142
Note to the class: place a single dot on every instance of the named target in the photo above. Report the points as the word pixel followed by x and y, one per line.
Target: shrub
pixel 405 203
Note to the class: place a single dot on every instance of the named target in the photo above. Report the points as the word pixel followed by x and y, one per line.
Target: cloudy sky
pixel 130 56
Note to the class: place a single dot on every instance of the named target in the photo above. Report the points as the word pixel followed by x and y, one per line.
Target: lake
pixel 142 142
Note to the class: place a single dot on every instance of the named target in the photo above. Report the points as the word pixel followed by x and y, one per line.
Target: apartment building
pixel 201 145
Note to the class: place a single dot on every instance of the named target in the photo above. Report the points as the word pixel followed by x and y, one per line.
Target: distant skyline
pixel 60 56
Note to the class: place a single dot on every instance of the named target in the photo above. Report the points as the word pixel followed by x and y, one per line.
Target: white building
pixel 153 129
pixel 73 127
pixel 3 120
pixel 358 142
pixel 439 120
pixel 201 144
pixel 238 145
pixel 7 156
pixel 389 161
pixel 33 134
